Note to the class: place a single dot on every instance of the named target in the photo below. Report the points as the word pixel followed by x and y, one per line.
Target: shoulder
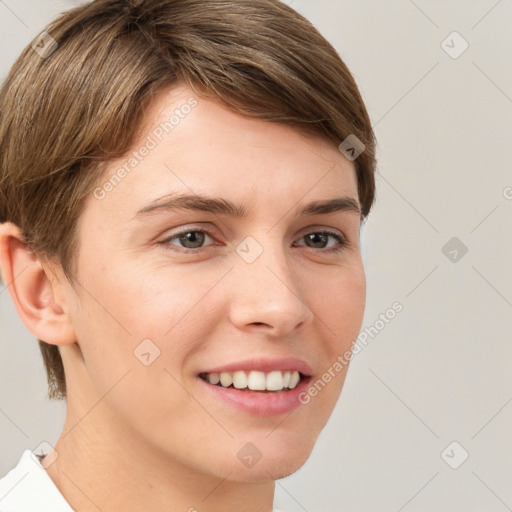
pixel 28 488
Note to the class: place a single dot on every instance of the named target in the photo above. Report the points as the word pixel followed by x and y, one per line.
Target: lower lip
pixel 260 403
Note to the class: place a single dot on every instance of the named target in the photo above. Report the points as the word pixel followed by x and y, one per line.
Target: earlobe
pixel 33 292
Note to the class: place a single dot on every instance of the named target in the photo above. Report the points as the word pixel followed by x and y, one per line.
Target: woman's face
pixel 172 298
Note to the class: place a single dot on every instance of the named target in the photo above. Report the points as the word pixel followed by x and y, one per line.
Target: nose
pixel 267 295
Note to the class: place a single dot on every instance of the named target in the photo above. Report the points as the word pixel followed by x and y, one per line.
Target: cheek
pixel 138 298
pixel 340 311
pixel 144 302
pixel 339 307
pixel 135 333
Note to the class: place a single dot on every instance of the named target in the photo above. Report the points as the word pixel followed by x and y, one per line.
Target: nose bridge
pixel 268 288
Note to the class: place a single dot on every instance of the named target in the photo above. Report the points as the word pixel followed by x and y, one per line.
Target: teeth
pixel 213 378
pixel 226 379
pixel 275 381
pixel 239 380
pixel 294 380
pixel 255 380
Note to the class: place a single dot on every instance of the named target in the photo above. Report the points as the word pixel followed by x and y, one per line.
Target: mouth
pixel 259 387
pixel 276 381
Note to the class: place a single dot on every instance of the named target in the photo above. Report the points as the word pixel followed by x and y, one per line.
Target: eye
pixel 322 237
pixel 190 239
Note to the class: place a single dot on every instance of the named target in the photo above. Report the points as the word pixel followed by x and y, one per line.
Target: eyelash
pixel 339 238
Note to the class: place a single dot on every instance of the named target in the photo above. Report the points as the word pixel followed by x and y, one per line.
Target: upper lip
pixel 264 365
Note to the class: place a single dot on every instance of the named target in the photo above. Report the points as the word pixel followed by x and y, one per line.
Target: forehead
pixel 198 146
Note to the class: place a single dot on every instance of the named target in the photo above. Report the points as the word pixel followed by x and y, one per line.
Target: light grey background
pixel 440 370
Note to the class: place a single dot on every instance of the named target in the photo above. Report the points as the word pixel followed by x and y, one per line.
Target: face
pixel 174 298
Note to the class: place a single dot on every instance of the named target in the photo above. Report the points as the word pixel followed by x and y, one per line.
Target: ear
pixel 36 293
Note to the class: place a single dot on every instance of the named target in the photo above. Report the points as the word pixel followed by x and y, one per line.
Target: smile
pixel 255 380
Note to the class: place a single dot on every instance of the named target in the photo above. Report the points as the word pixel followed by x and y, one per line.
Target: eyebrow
pixel 223 206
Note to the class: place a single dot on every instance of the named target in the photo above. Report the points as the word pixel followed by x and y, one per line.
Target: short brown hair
pixel 64 114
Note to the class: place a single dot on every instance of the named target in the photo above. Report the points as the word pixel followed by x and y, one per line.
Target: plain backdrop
pixel 424 420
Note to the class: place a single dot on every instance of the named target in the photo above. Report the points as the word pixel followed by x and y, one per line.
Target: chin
pixel 274 464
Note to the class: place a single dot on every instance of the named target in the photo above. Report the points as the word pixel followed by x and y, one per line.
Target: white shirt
pixel 28 488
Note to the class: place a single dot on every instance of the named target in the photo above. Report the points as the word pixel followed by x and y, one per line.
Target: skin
pixel 134 438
